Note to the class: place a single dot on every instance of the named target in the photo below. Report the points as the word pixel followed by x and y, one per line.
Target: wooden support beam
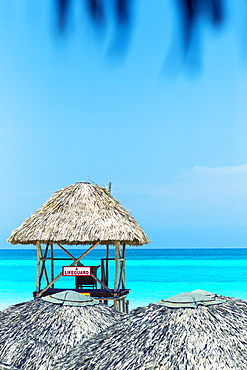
pixel 123 302
pixel 38 266
pixel 102 271
pixel 65 250
pixel 55 259
pixel 101 283
pixel 123 277
pixel 43 264
pixel 107 265
pixel 120 278
pixel 117 304
pixel 121 261
pixel 119 251
pixel 52 266
pixel 116 266
pixel 72 264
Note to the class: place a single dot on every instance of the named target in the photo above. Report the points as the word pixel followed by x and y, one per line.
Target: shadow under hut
pixel 190 331
pixel 82 214
pixel 34 333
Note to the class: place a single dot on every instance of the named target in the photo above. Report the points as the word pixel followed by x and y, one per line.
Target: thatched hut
pixel 194 331
pixel 34 333
pixel 85 214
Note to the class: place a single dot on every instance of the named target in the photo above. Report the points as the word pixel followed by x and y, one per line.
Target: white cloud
pixel 202 195
pixel 212 183
pixel 215 171
pixel 215 183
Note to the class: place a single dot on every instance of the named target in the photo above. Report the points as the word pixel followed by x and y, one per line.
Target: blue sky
pixel 172 142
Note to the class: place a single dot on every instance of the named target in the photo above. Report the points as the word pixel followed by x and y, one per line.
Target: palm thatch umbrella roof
pixel 33 333
pixel 82 213
pixel 204 331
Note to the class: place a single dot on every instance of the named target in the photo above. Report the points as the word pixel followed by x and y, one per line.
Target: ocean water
pixel 151 274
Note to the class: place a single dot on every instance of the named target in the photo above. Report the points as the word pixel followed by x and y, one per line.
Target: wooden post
pixel 107 266
pixel 116 266
pixel 123 277
pixel 102 271
pixel 127 306
pixel 119 250
pixel 72 264
pixel 121 267
pixel 123 301
pixel 43 265
pixel 52 266
pixel 38 267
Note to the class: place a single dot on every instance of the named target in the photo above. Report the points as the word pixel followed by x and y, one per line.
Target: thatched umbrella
pixel 81 213
pixel 195 332
pixel 34 333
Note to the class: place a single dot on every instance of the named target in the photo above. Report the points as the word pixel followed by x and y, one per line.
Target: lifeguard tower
pixel 82 214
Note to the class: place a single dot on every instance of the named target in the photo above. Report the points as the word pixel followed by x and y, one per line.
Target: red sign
pixel 76 271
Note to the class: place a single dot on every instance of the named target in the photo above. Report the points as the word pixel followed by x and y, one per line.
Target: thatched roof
pixel 212 336
pixel 82 213
pixel 34 333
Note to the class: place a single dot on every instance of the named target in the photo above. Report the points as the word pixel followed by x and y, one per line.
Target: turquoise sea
pixel 151 274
